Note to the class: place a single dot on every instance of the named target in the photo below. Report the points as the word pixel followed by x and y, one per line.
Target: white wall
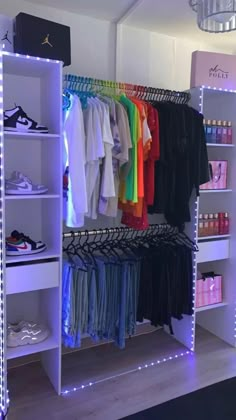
pixel 93 40
pixel 156 60
pixel 142 57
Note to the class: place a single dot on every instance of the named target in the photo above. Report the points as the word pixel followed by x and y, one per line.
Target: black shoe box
pixel 42 38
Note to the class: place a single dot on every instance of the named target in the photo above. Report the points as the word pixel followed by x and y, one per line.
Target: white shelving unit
pixel 33 282
pixel 218 254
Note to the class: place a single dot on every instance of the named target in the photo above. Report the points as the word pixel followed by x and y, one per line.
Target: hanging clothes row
pixel 121 277
pixel 131 148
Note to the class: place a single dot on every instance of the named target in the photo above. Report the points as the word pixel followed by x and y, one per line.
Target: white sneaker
pixel 19 184
pixel 25 333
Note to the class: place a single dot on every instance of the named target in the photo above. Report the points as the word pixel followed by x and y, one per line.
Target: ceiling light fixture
pixel 215 16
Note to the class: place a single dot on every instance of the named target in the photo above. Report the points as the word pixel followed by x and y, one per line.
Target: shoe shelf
pixel 31 197
pixel 45 255
pixel 49 344
pixel 33 282
pixel 30 136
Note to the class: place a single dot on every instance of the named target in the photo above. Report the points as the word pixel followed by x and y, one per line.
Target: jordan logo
pixel 5 38
pixel 46 41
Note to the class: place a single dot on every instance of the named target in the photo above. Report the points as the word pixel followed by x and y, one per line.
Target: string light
pixel 119 375
pixel 3 393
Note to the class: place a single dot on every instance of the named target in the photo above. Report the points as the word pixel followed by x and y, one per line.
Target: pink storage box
pixel 214 70
pixel 219 176
pixel 209 291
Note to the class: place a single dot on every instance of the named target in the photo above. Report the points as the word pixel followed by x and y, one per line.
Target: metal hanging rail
pixel 161 228
pixel 89 85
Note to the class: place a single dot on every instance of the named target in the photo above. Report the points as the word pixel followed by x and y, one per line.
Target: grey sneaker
pixel 25 333
pixel 19 184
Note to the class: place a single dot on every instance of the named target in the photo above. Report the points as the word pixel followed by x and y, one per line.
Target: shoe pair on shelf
pixel 20 244
pixel 17 120
pixel 19 184
pixel 25 333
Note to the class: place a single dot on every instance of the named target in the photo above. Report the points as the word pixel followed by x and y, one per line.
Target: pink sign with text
pixel 214 70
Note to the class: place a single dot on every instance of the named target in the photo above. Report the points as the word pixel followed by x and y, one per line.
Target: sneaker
pixel 17 120
pixel 26 333
pixel 19 184
pixel 19 244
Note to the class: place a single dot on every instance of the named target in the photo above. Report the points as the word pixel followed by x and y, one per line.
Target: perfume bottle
pixel 206 225
pixel 229 133
pixel 211 225
pixel 214 131
pixel 224 133
pixel 219 132
pixel 221 223
pixel 216 224
pixel 226 224
pixel 208 131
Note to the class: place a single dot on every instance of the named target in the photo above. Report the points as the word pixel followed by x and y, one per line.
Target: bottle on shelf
pixel 211 225
pixel 226 223
pixel 206 225
pixel 216 224
pixel 200 225
pixel 219 131
pixel 213 131
pixel 208 131
pixel 221 223
pixel 229 133
pixel 224 132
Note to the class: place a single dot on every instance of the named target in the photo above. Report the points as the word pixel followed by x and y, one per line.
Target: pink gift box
pixel 219 176
pixel 213 69
pixel 209 291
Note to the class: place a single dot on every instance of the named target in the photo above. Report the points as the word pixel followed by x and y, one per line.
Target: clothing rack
pixel 89 85
pixel 161 228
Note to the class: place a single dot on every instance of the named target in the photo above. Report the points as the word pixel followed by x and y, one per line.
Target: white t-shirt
pixel 74 151
pixel 107 189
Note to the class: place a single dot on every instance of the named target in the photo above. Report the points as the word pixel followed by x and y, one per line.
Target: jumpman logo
pixel 5 38
pixel 46 41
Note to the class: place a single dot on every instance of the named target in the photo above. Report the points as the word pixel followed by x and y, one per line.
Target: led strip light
pixel 138 369
pixel 4 399
pixel 3 392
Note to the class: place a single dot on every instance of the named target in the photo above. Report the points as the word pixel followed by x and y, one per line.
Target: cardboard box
pixel 214 70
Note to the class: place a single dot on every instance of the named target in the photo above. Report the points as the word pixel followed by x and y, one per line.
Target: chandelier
pixel 215 15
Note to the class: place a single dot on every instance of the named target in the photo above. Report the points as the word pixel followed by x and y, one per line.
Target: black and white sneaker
pixel 17 120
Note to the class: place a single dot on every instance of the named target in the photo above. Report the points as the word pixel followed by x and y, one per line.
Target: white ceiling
pixel 111 10
pixel 177 19
pixel 171 17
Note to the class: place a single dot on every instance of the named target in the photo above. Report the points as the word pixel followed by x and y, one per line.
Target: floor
pixel 115 397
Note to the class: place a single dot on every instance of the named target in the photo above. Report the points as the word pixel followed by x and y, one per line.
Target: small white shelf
pixel 30 136
pixel 215 191
pixel 229 146
pixel 14 352
pixel 207 308
pixel 207 238
pixel 45 255
pixel 31 197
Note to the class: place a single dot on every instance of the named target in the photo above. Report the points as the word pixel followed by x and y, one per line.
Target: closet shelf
pixel 227 146
pixel 30 136
pixel 215 191
pixel 207 238
pixel 49 344
pixel 207 308
pixel 31 197
pixel 45 255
